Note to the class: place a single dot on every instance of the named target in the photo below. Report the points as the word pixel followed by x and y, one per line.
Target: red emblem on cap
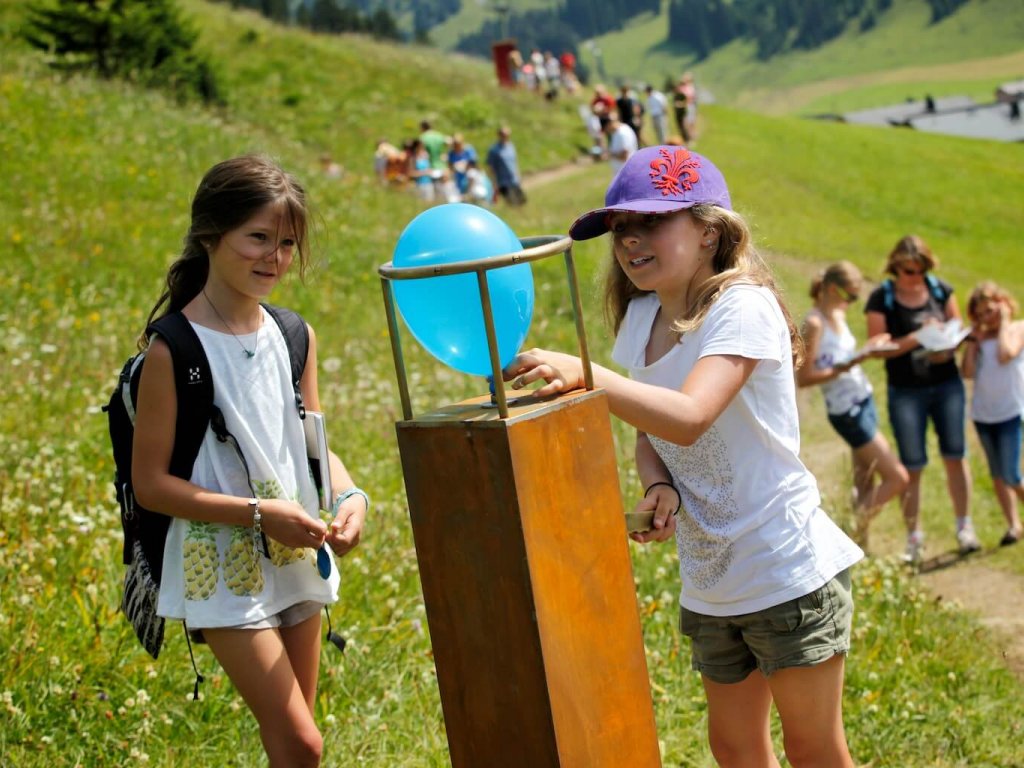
pixel 674 171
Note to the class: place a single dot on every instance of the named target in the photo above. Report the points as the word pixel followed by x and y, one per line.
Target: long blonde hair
pixel 735 262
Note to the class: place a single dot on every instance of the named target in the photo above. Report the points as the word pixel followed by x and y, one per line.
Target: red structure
pixel 499 52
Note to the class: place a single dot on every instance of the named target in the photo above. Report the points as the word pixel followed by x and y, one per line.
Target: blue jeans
pixel 909 411
pixel 1002 449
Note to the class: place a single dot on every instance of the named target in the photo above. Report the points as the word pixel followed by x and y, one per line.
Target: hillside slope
pixel 904 40
pixel 98 181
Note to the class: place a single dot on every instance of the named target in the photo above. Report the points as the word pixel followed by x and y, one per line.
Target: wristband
pixel 670 485
pixel 341 497
pixel 257 518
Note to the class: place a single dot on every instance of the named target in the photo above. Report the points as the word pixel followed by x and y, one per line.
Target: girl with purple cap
pixel 710 350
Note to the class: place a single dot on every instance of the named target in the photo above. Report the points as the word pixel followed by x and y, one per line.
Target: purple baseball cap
pixel 656 180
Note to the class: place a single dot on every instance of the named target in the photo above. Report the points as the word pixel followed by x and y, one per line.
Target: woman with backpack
pixel 922 385
pixel 240 562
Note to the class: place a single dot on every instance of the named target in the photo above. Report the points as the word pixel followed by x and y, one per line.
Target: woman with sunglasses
pixel 832 361
pixel 922 385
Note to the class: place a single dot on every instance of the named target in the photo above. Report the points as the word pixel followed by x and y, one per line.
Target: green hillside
pixel 98 181
pixel 903 55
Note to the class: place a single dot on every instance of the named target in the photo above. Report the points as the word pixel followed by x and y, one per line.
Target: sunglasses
pixel 845 295
pixel 905 271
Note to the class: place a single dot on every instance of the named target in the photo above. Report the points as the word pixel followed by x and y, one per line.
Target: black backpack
pixel 145 531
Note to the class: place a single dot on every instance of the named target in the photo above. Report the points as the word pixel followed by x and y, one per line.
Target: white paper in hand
pixel 943 336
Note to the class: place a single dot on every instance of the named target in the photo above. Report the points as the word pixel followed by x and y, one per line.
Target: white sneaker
pixel 967 540
pixel 914 553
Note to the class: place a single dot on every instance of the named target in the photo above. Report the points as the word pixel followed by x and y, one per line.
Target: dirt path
pixel 558 173
pixel 993 595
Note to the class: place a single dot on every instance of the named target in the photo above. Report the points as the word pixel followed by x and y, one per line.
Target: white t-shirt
pixel 847 389
pixel 622 139
pixel 210 576
pixel 998 387
pixel 657 104
pixel 750 534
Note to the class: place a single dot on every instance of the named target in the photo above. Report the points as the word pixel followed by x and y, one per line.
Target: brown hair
pixel 229 195
pixel 987 290
pixel 913 249
pixel 735 262
pixel 843 273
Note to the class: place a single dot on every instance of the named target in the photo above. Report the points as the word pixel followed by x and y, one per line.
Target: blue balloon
pixel 445 313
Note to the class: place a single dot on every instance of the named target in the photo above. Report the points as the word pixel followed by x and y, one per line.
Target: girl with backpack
pixel 994 358
pixel 922 385
pixel 832 360
pixel 766 594
pixel 240 558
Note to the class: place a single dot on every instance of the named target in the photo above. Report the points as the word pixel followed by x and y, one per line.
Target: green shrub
pixel 146 41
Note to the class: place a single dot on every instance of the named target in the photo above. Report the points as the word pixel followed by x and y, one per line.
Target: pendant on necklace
pixel 248 353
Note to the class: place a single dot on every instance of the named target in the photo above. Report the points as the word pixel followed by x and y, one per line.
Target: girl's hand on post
pixel 345 530
pixel 288 523
pixel 664 500
pixel 561 372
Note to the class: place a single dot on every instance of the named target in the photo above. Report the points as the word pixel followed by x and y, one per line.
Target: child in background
pixel 710 349
pixel 832 361
pixel 479 189
pixel 992 357
pixel 255 600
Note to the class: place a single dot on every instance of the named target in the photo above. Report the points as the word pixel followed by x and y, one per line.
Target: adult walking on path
pixel 657 109
pixel 503 166
pixel 923 385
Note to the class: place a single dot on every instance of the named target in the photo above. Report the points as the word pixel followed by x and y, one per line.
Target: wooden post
pixel 528 585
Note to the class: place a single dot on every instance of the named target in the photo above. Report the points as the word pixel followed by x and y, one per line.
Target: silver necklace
pixel 250 353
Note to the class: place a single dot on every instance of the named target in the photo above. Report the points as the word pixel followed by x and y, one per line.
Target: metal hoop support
pixel 534 249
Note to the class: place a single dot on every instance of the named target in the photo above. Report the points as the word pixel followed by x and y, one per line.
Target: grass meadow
pixel 98 182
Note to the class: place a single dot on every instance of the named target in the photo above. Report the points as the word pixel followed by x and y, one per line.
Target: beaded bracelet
pixel 670 485
pixel 341 497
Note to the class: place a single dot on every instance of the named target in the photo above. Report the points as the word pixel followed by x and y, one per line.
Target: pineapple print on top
pixel 200 556
pixel 280 555
pixel 703 521
pixel 243 563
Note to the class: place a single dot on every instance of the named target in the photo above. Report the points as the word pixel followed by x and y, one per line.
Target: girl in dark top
pixel 922 385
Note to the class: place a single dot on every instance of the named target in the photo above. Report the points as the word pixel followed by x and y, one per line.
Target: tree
pixel 146 41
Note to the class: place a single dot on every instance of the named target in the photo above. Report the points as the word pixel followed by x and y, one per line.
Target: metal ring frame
pixel 534 249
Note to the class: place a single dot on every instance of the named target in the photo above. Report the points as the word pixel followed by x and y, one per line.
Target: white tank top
pixel 846 390
pixel 212 576
pixel 998 387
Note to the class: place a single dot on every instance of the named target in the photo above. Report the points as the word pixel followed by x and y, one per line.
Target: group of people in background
pixel 440 168
pixel 618 125
pixel 544 73
pixel 924 383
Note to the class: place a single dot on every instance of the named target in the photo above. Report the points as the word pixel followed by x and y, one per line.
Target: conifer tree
pixel 146 41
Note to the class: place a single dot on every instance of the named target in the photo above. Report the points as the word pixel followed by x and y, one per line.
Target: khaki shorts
pixel 799 633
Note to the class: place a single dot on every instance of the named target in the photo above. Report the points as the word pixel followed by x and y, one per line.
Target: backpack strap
pixel 936 288
pixel 888 297
pixel 296 337
pixel 193 383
